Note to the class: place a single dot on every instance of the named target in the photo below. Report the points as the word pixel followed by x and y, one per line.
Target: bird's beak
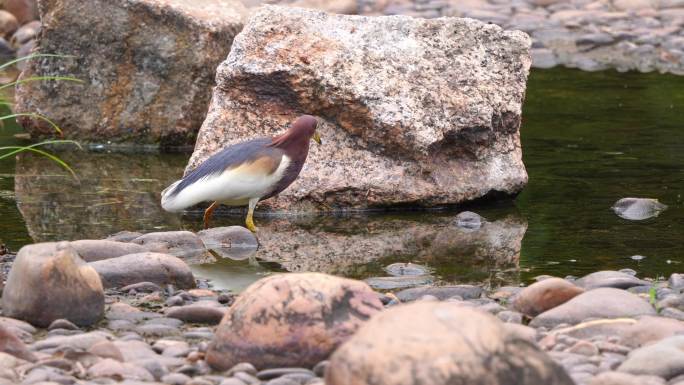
pixel 317 138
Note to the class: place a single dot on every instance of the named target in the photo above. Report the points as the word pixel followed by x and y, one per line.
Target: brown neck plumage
pixel 293 143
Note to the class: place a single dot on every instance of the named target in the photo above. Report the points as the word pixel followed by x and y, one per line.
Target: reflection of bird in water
pixel 245 173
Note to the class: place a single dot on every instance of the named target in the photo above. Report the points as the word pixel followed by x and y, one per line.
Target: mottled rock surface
pixel 147 68
pixel 49 281
pixel 439 343
pixel 291 320
pixel 421 112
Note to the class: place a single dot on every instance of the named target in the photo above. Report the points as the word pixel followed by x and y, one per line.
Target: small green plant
pixel 13 150
pixel 652 295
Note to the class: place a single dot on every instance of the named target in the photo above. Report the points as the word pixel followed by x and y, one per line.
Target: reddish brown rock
pixel 439 343
pixel 291 320
pixel 148 68
pixel 197 314
pixel 544 295
pixel 23 10
pixel 420 112
pixel 10 344
pixel 49 281
pixel 8 23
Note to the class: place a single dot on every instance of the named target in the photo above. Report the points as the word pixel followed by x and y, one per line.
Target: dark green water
pixel 589 139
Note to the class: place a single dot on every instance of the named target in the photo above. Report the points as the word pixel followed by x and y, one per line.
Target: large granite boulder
pixel 147 68
pixel 440 343
pixel 49 281
pixel 421 112
pixel 291 320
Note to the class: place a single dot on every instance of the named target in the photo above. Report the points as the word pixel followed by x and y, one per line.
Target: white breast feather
pixel 234 187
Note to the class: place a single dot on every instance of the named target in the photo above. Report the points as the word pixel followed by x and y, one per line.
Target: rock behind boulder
pixel 147 68
pixel 416 111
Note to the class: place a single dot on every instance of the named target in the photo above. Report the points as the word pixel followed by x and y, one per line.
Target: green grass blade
pixel 53 158
pixel 39 78
pixel 35 116
pixel 56 159
pixel 12 62
pixel 18 149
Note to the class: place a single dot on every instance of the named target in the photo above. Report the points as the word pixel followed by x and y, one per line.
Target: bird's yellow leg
pixel 250 214
pixel 207 214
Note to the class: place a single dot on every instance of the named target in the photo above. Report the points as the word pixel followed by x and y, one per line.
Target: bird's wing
pixel 230 157
pixel 239 172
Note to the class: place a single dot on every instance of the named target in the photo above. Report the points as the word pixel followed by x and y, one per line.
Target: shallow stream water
pixel 589 139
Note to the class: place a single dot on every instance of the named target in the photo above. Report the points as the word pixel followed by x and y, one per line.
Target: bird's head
pixel 306 125
pixel 301 131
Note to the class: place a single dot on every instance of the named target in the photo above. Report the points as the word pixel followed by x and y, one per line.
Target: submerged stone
pixel 402 282
pixel 469 220
pixel 402 269
pixel 638 209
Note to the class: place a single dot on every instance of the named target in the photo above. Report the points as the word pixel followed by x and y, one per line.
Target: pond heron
pixel 245 173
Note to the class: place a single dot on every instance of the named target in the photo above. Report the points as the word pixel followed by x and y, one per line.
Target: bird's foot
pixel 250 225
pixel 207 214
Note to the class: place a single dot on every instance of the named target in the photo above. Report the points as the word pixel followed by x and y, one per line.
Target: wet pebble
pixel 247 378
pixel 232 381
pixel 279 372
pixel 175 379
pixel 283 381
pixel 62 324
pixel 157 330
pixel 441 292
pixel 402 282
pixel 585 348
pixel 197 314
pixel 510 316
pixel 320 367
pixel 142 287
pixel 242 367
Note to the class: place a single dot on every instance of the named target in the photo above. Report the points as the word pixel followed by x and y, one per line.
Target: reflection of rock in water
pixel 116 191
pixel 344 246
